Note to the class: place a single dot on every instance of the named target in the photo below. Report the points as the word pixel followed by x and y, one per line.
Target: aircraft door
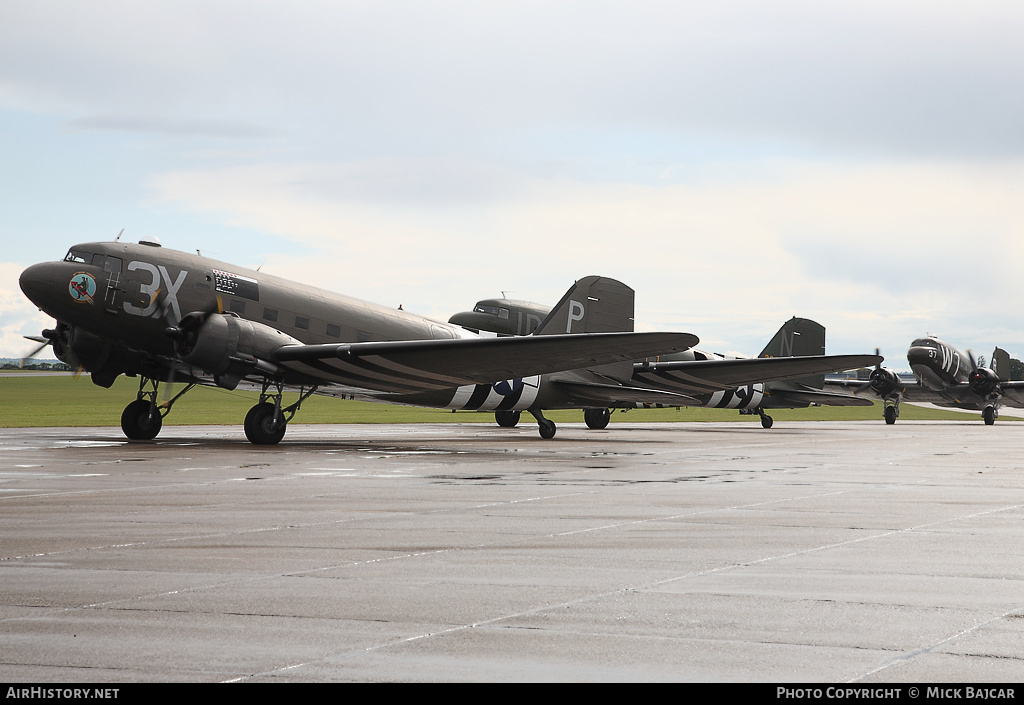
pixel 113 294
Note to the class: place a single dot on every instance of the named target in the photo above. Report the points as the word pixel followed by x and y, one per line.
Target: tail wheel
pixel 597 418
pixel 547 428
pixel 263 426
pixel 141 421
pixel 507 419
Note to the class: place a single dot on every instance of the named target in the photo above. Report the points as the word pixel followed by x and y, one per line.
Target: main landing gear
pixel 266 422
pixel 597 418
pixel 891 411
pixel 143 418
pixel 507 419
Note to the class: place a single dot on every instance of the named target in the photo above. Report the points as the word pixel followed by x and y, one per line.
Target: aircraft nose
pixel 920 355
pixel 38 282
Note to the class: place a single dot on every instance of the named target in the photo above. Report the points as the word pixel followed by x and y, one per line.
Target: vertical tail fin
pixel 592 305
pixel 799 337
pixel 1001 363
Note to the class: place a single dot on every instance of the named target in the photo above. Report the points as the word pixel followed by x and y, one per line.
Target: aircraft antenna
pixel 118 238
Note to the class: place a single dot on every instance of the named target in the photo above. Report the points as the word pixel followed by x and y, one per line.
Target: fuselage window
pixel 333 331
pixel 112 265
pixel 237 305
pixel 362 336
pixel 302 323
pixel 270 314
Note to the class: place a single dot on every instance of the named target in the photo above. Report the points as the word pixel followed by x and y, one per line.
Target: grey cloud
pixel 883 77
pixel 170 127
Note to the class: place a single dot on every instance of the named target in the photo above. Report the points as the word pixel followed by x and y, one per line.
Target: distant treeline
pixel 32 365
pixel 1016 369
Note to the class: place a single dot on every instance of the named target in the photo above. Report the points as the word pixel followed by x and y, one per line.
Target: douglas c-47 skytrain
pixel 162 315
pixel 944 377
pixel 788 374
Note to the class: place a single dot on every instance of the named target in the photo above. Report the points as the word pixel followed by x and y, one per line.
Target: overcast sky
pixel 736 163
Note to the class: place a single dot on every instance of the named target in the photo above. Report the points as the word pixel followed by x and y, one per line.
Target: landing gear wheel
pixel 507 419
pixel 766 421
pixel 547 428
pixel 890 415
pixel 261 426
pixel 597 418
pixel 989 415
pixel 140 421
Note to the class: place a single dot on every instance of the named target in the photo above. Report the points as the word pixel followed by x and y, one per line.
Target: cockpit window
pixel 503 313
pixel 74 255
pixel 484 308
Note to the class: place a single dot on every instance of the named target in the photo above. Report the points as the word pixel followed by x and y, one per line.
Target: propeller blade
pixel 168 387
pixel 43 341
pixel 166 308
pixel 32 354
pixel 861 388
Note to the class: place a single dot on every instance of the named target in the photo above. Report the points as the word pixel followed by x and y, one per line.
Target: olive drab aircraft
pixel 944 376
pixel 788 374
pixel 164 316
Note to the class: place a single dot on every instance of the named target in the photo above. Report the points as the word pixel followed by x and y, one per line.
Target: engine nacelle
pixel 983 381
pixel 230 347
pixel 82 350
pixel 884 382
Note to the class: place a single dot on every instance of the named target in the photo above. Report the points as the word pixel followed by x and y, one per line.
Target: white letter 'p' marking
pixel 575 314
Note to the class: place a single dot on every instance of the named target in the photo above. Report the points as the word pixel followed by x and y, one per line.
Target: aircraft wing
pixel 910 391
pixel 1013 393
pixel 420 365
pixel 703 376
pixel 809 396
pixel 584 393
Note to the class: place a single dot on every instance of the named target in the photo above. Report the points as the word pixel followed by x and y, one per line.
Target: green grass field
pixel 63 401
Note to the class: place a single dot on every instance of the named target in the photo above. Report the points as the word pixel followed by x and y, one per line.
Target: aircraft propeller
pixel 59 339
pixel 871 379
pixel 183 332
pixel 43 343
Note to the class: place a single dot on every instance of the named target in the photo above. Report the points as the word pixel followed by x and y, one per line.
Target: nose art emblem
pixel 82 287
